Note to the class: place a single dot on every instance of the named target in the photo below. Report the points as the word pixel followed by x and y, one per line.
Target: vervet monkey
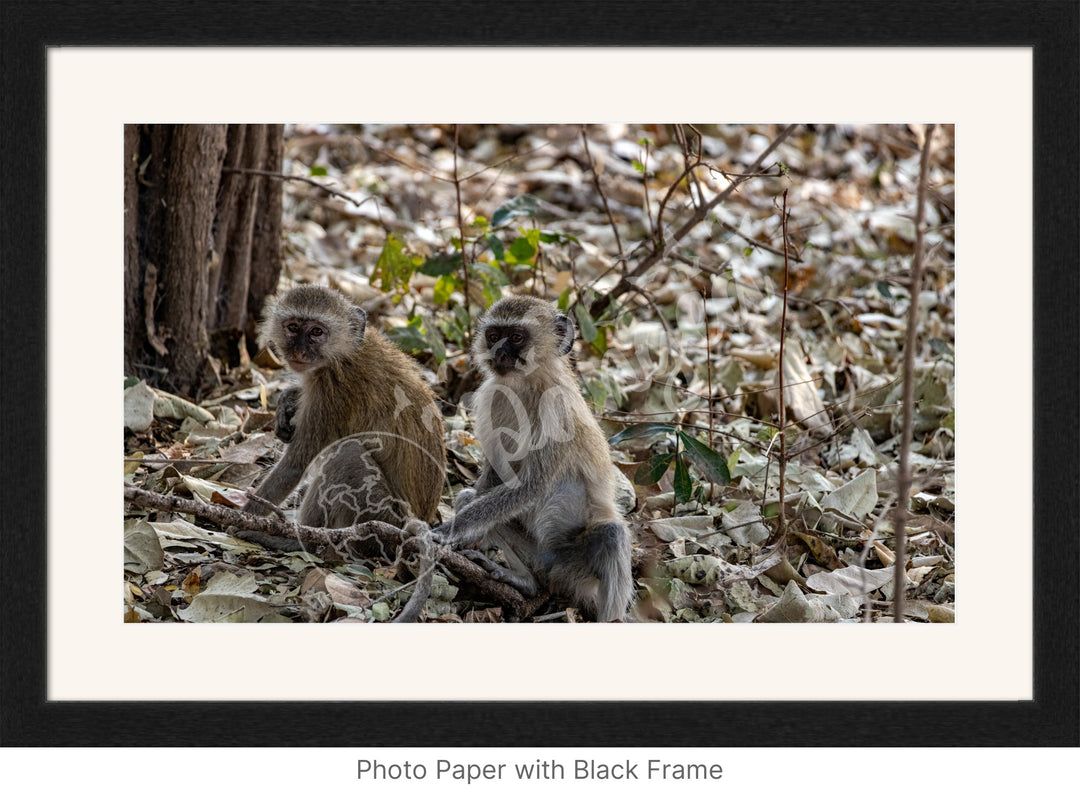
pixel 546 495
pixel 362 418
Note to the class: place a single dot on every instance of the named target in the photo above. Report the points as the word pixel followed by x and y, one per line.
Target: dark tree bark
pixel 201 246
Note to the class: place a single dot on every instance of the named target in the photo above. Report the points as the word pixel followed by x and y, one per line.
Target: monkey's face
pixel 507 347
pixel 303 343
pixel 519 335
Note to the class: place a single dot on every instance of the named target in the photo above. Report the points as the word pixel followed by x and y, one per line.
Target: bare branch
pixel 461 232
pixel 284 177
pixel 603 197
pixel 656 254
pixel 910 343
pixel 781 525
pixel 372 540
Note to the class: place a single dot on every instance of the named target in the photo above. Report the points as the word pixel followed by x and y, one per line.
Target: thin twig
pixel 283 177
pixel 756 243
pixel 603 197
pixel 513 157
pixel 781 526
pixel 903 482
pixel 645 187
pixel 461 233
pixel 425 574
pixel 708 370
pixel 692 180
pixel 689 171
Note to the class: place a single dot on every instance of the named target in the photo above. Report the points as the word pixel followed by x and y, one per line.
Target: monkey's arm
pixel 488 479
pixel 283 478
pixel 491 505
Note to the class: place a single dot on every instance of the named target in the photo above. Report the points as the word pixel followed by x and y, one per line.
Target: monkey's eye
pixel 316 331
pixel 292 328
pixel 517 338
pixel 493 337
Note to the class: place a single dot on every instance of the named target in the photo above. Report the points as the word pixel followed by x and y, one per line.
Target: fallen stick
pixel 371 540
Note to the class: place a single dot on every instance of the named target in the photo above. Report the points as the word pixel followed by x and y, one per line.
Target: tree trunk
pixel 201 246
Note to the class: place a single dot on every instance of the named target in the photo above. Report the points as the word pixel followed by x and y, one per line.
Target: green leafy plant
pixel 688 450
pixel 500 252
pixel 395 268
pixel 421 334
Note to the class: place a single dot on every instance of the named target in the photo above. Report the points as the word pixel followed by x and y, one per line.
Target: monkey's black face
pixel 304 342
pixel 506 347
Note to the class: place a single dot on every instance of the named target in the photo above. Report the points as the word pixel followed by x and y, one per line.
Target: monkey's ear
pixel 564 330
pixel 358 322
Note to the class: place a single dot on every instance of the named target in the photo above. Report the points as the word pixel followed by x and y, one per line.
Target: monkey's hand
pixel 452 533
pixel 288 402
pixel 479 512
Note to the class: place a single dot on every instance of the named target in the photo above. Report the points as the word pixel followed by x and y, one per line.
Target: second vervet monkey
pixel 546 495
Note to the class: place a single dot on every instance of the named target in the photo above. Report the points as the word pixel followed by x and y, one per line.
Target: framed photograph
pixel 1001 76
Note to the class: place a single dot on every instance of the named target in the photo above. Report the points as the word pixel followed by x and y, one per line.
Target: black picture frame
pixel 1052 29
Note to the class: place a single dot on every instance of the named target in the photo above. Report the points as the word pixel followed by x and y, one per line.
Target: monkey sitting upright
pixel 546 495
pixel 362 418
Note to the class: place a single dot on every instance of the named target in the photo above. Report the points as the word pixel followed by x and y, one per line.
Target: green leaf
pixel 488 274
pixel 555 236
pixel 638 166
pixel 649 473
pixel 408 338
pixel 585 323
pixel 683 486
pixel 598 392
pixel 435 341
pixel 496 247
pixel 442 264
pixel 564 300
pixel 315 171
pixel 491 280
pixel 733 460
pixel 456 327
pixel 711 465
pixel 444 288
pixel 883 289
pixel 522 250
pixel 394 267
pixel 599 343
pixel 522 205
pixel 640 430
pixel 949 421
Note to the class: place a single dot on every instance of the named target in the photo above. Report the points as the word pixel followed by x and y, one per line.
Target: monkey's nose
pixel 503 363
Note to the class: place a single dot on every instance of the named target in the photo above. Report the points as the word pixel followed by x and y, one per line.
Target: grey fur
pixel 546 495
